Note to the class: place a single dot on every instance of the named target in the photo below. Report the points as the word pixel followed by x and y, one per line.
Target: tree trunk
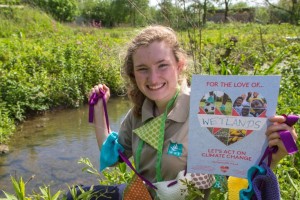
pixel 293 13
pixel 226 11
pixel 204 18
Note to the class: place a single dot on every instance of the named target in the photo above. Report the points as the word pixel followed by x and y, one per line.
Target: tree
pixel 98 11
pixel 292 7
pixel 239 5
pixel 120 11
pixel 204 18
pixel 262 15
pixel 139 10
pixel 166 12
pixel 63 10
pixel 226 4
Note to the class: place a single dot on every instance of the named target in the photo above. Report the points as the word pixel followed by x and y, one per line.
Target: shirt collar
pixel 180 111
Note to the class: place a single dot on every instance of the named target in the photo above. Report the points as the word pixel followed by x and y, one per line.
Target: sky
pixel 251 2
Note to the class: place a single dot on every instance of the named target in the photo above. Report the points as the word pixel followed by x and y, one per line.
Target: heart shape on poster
pixel 224 168
pixel 231 121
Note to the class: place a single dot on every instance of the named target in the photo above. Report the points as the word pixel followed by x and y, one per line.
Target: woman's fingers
pixel 100 88
pixel 277 119
pixel 105 88
pixel 274 140
pixel 279 125
pixel 276 127
pixel 273 135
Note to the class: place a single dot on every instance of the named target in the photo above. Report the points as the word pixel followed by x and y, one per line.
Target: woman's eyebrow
pixel 160 61
pixel 139 66
pixel 143 65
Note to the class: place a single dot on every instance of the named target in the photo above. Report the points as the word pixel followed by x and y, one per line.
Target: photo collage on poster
pixel 250 104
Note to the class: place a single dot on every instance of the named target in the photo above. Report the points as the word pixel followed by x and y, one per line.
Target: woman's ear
pixel 180 65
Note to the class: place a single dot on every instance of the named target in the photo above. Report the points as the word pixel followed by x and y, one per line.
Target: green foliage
pixel 192 191
pixel 116 12
pixel 61 10
pixel 239 5
pixel 46 65
pixel 83 194
pixel 19 187
pixel 287 11
pixel 98 11
pixel 46 194
pixel 7 125
pixel 288 175
pixel 168 14
pixel 262 15
pixel 20 192
pixel 290 83
pixel 13 26
pixel 10 2
pixel 111 176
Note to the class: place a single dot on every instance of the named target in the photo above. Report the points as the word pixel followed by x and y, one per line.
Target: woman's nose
pixel 153 75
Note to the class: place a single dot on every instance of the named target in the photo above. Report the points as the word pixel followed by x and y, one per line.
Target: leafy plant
pixel 110 176
pixel 46 194
pixel 192 191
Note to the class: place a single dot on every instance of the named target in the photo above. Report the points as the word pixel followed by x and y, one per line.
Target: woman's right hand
pixel 101 128
pixel 100 87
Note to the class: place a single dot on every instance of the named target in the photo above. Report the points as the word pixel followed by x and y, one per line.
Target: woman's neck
pixel 161 106
pixel 160 109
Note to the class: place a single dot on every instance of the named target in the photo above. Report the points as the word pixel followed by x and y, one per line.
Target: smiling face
pixel 239 101
pixel 156 72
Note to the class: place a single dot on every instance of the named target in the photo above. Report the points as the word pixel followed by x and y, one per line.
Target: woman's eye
pixel 163 65
pixel 141 69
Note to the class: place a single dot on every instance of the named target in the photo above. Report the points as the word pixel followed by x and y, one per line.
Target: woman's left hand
pixel 274 137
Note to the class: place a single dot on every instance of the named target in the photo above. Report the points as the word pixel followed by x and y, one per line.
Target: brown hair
pixel 145 38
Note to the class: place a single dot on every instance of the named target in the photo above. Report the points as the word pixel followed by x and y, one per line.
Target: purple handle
pixel 291 119
pixel 288 141
pixel 93 101
pixel 133 169
pixel 286 137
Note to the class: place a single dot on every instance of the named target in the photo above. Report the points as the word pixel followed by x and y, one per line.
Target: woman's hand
pixel 274 137
pixel 101 128
pixel 103 88
pixel 99 90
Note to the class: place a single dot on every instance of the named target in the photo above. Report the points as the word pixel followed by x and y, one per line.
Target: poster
pixel 228 121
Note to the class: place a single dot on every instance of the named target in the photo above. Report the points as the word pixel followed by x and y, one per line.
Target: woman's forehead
pixel 156 50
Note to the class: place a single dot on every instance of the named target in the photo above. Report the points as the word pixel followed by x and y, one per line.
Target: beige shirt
pixel 176 132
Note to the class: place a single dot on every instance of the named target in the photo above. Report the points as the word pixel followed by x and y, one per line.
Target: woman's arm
pixel 101 128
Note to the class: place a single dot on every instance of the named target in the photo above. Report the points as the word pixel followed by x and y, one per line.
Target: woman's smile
pixel 156 87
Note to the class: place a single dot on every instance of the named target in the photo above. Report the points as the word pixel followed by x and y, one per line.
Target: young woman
pixel 155 67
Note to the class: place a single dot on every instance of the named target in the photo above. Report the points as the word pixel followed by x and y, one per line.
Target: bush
pixel 61 10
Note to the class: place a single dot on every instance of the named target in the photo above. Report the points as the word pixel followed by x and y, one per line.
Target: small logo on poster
pixel 224 168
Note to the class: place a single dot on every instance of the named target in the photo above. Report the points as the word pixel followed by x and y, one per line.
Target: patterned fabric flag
pixel 136 190
pixel 150 132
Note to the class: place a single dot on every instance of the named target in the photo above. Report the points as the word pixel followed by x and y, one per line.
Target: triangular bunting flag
pixel 150 132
